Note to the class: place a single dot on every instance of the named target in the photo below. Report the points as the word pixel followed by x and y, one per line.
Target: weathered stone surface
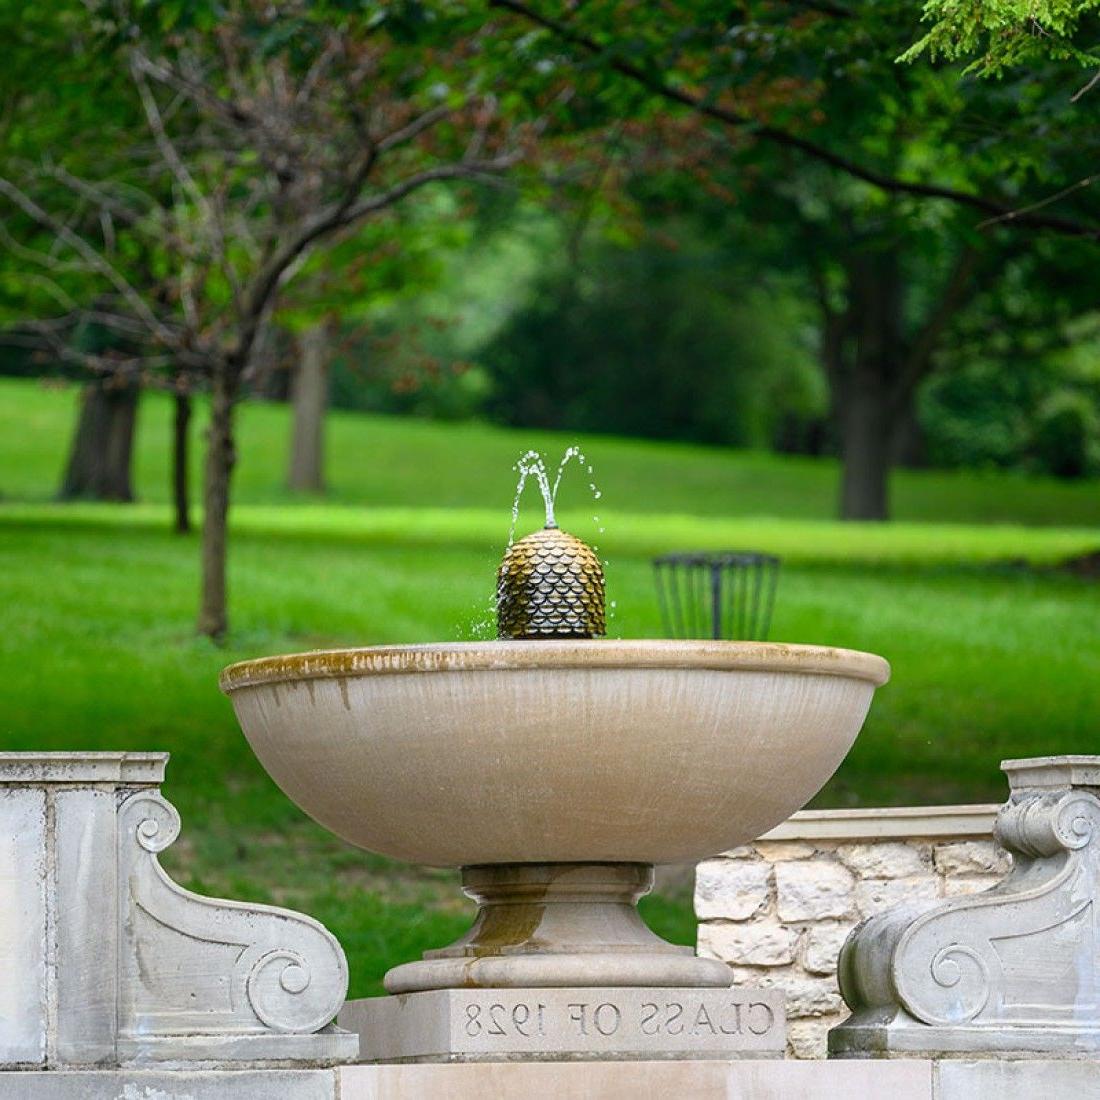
pixel 731 889
pixel 886 860
pixel 742 851
pixel 958 886
pixel 972 857
pixel 1012 971
pixel 877 894
pixel 812 996
pixel 883 823
pixel 85 821
pixel 813 890
pixel 807 994
pixel 898 1079
pixel 780 851
pixel 993 1079
pixel 509 1024
pixel 658 751
pixel 108 962
pixel 755 943
pixel 822 946
pixel 808 1038
pixel 183 1084
pixel 181 952
pixel 23 991
pixel 642 1080
pixel 553 925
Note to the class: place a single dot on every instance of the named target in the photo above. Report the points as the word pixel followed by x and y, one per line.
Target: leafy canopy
pixel 999 34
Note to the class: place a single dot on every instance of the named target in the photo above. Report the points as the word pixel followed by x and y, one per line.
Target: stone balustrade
pixel 778 911
pixel 121 983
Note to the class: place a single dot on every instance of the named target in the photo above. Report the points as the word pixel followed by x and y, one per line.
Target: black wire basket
pixel 729 595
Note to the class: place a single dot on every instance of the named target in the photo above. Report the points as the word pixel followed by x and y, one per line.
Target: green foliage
pixel 392 378
pixel 1067 434
pixel 1039 418
pixel 978 415
pixel 656 341
pixel 995 35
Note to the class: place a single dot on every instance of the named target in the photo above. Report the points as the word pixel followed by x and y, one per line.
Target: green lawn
pixel 994 651
pixel 408 463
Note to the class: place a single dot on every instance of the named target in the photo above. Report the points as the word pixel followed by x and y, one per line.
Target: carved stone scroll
pixel 1014 969
pixel 108 962
pixel 198 966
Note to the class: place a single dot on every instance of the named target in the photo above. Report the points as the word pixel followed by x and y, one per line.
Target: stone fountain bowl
pixel 554 751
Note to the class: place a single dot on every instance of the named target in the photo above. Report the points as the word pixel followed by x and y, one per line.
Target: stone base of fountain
pixel 581 1024
pixel 560 925
pixel 560 965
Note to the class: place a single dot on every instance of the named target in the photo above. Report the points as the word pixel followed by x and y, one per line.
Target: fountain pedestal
pixel 558 924
pixel 559 965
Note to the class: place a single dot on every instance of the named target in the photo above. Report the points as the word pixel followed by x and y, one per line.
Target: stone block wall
pixel 778 911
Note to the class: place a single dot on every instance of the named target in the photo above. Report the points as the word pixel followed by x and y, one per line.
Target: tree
pixel 817 85
pixel 757 71
pixel 665 337
pixel 252 117
pixel 181 467
pixel 43 91
pixel 890 280
pixel 309 398
pixel 888 277
pixel 99 462
pixel 338 297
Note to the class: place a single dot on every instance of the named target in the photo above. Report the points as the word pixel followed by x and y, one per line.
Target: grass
pixel 387 462
pixel 994 651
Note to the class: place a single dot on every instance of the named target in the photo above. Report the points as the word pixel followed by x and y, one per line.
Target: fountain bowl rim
pixel 556 654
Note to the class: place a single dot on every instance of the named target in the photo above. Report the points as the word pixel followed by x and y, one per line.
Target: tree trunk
pixel 865 452
pixel 220 459
pixel 309 396
pixel 180 459
pixel 864 385
pixel 907 448
pixel 874 370
pixel 102 452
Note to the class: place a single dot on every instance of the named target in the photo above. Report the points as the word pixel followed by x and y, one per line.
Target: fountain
pixel 555 771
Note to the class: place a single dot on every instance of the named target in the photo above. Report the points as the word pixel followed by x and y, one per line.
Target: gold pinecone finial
pixel 550 585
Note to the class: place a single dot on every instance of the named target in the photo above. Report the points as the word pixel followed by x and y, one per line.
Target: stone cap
pixel 557 653
pixel 1052 771
pixel 137 768
pixel 885 823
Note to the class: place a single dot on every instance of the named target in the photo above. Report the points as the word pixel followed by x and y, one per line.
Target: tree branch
pixel 92 257
pixel 49 336
pixel 347 213
pixel 139 67
pixel 472 170
pixel 784 138
pixel 413 129
pixel 1022 212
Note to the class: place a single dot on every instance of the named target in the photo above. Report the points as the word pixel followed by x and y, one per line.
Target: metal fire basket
pixel 728 595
